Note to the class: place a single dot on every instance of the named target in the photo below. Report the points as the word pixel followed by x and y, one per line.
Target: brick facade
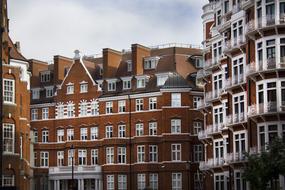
pixel 243 80
pixel 17 170
pixel 120 119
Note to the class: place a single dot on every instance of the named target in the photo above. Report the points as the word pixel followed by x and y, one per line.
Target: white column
pixel 96 184
pixel 82 184
pixel 100 185
pixel 54 185
pixel 58 185
pixel 79 184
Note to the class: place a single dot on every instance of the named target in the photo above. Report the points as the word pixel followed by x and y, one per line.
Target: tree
pixel 265 167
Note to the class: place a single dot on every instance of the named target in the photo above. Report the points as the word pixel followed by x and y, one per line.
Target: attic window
pixel 198 62
pixel 161 80
pixel 112 85
pixel 70 89
pixel 45 77
pixel 151 62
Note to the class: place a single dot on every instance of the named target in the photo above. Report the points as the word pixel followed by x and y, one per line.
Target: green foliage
pixel 265 167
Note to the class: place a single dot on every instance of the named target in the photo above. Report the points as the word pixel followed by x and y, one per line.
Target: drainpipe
pixel 130 140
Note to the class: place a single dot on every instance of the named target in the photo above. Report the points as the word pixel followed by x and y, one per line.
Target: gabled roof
pixel 14 53
pixel 85 68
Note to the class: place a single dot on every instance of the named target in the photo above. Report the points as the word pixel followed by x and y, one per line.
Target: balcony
pixel 212 63
pixel 236 118
pixel 203 135
pixel 213 95
pixel 264 23
pixel 214 129
pixel 264 108
pixel 235 81
pixel 211 163
pixel 234 44
pixel 77 169
pixel 235 157
pixel 247 3
pixel 270 65
pixel 201 104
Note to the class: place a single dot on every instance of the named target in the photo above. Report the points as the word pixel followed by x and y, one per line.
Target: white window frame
pixel 83 134
pixel 141 181
pixel 176 179
pixel 49 92
pixel 140 154
pixel 83 87
pixel 109 155
pixel 60 135
pixel 45 136
pixel 8 138
pixel 60 158
pixel 197 127
pixel 109 131
pixel 82 157
pixel 139 129
pixel 44 159
pixel 152 128
pixel 122 182
pixel 176 150
pixel 111 85
pixel 69 89
pixel 94 157
pixel 70 134
pixel 35 93
pixel 139 104
pixel 34 114
pixel 109 107
pixel 198 152
pixel 153 181
pixel 176 126
pixel 94 133
pixel 152 103
pixel 122 155
pixel 196 99
pixel 8 91
pixel 45 113
pixel 122 106
pixel 110 182
pixel 153 153
pixel 121 131
pixel 176 99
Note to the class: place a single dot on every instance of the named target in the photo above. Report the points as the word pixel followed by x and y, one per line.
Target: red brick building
pixel 244 84
pixel 17 171
pixel 131 117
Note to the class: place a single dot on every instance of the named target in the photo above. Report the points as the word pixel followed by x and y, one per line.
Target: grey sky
pixel 58 27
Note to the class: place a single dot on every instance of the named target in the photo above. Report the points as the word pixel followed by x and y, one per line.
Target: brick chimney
pixel 111 62
pixel 138 53
pixel 61 65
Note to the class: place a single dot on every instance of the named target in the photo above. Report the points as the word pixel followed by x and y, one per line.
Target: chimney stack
pixel 111 62
pixel 138 53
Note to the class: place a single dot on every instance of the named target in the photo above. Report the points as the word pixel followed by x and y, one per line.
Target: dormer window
pixel 35 94
pixel 45 76
pixel 112 85
pixel 161 78
pixel 198 62
pixel 151 62
pixel 49 91
pixel 70 89
pixel 141 81
pixel 129 66
pixel 83 87
pixel 126 83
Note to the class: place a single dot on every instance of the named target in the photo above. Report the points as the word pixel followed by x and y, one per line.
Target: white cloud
pixel 47 28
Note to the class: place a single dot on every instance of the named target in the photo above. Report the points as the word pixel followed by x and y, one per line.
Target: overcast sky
pixel 58 27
